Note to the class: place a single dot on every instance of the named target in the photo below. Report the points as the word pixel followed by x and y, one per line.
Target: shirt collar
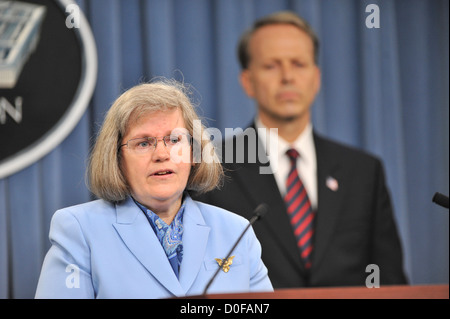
pixel 156 222
pixel 304 144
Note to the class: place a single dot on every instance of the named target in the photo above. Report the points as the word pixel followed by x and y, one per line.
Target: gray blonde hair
pixel 281 17
pixel 105 177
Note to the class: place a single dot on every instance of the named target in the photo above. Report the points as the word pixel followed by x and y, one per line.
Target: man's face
pixel 282 76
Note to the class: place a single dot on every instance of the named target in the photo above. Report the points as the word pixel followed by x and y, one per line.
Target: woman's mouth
pixel 162 173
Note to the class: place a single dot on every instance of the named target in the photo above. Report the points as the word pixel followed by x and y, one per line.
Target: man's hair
pixel 282 17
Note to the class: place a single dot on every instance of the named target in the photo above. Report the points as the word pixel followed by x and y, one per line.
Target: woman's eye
pixel 143 144
pixel 174 139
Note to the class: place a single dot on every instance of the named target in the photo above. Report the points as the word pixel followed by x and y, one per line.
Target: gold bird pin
pixel 226 264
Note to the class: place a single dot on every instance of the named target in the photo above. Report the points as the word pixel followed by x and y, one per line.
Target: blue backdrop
pixel 384 90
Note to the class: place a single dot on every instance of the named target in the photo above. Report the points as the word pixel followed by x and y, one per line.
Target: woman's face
pixel 157 177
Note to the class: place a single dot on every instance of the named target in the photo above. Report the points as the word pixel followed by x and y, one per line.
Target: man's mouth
pixel 288 95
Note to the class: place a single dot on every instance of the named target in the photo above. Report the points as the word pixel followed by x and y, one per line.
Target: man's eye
pixel 299 64
pixel 269 66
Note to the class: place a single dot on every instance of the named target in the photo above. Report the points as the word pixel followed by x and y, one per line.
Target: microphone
pixel 440 199
pixel 258 213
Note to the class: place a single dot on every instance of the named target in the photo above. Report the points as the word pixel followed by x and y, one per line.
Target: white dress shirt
pixel 306 163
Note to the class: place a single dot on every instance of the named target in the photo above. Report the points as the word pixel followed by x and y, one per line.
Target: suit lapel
pixel 330 183
pixel 262 188
pixel 195 239
pixel 137 234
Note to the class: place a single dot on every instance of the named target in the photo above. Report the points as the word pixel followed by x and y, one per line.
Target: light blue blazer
pixel 105 250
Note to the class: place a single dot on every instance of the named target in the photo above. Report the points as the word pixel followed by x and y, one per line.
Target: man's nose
pixel 287 74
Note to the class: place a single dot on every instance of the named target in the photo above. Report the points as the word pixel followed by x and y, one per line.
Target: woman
pixel 145 237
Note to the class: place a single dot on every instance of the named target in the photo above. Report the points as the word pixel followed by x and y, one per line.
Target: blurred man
pixel 330 212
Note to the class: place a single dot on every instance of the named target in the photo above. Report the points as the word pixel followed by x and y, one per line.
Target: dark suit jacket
pixel 354 225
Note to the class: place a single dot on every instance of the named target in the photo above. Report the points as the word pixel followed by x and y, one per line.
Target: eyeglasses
pixel 146 144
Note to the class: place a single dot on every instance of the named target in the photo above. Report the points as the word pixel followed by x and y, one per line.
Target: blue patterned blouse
pixel 170 236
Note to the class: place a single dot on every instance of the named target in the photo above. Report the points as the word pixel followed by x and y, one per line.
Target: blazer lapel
pixel 137 234
pixel 329 181
pixel 195 239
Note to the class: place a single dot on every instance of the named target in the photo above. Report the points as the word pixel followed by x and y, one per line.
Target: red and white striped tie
pixel 299 210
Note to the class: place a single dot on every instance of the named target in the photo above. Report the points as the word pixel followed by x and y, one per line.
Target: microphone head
pixel 261 210
pixel 440 199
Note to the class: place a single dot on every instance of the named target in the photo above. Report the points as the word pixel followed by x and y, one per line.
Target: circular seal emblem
pixel 48 71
